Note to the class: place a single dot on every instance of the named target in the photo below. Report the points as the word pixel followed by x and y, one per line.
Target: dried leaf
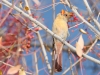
pixel 37 2
pixel 78 50
pixel 0 41
pixel 83 31
pixel 1 72
pixel 42 57
pixel 89 19
pixel 20 50
pixel 79 46
pixel 22 72
pixel 47 47
pixel 20 4
pixel 14 69
pixel 98 54
pixel 81 41
pixel 26 8
pixel 40 28
pixel 0 5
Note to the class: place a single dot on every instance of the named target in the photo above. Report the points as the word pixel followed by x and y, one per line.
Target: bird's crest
pixel 62 11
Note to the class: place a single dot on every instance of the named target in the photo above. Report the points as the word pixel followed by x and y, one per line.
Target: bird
pixel 60 28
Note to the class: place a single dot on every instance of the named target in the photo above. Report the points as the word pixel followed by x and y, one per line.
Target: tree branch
pixel 36 63
pixel 91 14
pixel 44 52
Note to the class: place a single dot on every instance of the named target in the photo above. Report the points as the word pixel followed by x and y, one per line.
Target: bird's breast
pixel 60 28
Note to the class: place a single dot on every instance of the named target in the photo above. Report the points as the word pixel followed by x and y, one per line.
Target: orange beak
pixel 71 14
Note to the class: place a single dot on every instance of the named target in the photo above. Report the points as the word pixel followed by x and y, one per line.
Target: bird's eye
pixel 65 14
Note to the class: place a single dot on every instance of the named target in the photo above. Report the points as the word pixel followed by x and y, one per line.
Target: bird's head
pixel 65 15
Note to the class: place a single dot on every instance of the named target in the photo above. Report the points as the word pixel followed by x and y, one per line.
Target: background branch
pixel 36 63
pixel 44 53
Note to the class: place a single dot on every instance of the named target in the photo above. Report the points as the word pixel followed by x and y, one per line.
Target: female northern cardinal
pixel 60 28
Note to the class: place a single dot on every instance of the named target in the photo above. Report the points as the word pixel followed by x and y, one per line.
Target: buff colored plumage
pixel 60 28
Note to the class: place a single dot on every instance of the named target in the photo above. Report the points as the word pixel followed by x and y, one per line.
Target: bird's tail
pixel 58 56
pixel 58 63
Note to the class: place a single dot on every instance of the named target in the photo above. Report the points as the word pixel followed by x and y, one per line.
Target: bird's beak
pixel 71 14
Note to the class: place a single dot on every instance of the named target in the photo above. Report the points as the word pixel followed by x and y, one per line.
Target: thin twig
pixel 2 21
pixel 53 51
pixel 46 6
pixel 76 25
pixel 70 61
pixel 36 63
pixel 24 62
pixel 98 16
pixel 44 53
pixel 53 1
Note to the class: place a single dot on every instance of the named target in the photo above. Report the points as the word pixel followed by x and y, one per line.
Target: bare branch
pixel 69 52
pixel 53 1
pixel 44 52
pixel 36 63
pixel 91 14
